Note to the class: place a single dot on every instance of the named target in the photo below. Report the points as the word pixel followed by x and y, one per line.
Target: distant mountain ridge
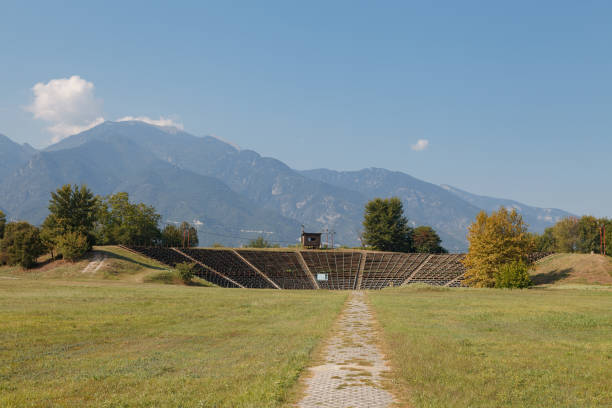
pixel 232 191
pixel 538 218
pixel 13 156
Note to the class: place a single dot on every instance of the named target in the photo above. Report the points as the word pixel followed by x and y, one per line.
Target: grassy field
pixel 121 344
pixel 499 348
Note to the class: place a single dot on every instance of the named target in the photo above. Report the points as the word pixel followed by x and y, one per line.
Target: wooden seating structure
pixel 229 264
pixel 384 269
pixel 282 267
pixel 334 269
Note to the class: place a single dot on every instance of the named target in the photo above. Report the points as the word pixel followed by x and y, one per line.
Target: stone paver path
pixel 354 365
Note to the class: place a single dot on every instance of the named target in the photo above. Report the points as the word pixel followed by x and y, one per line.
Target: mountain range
pixel 231 194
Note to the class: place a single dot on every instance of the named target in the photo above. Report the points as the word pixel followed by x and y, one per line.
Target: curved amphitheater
pixel 312 269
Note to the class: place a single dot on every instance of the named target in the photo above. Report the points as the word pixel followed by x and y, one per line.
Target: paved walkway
pixel 352 373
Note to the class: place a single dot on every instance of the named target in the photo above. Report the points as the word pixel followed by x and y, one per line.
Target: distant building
pixel 311 240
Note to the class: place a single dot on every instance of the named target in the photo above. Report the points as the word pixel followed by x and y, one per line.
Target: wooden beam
pixel 417 270
pixel 454 280
pixel 256 269
pixel 362 262
pixel 302 262
pixel 208 267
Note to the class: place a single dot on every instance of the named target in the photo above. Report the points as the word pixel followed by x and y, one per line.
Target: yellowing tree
pixel 495 240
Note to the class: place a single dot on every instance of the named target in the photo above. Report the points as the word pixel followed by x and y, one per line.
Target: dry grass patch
pixel 573 269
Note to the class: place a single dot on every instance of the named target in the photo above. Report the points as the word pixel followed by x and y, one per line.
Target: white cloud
pixel 62 130
pixel 164 122
pixel 420 145
pixel 69 104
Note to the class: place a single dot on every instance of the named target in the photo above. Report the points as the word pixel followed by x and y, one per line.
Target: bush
pixel 185 271
pixel 21 244
pixel 513 275
pixel 72 246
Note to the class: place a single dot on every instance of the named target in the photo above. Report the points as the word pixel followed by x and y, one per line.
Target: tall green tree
pixel 385 226
pixel 72 209
pixel 545 242
pixel 607 223
pixel 21 244
pixel 2 224
pixel 426 240
pixel 121 222
pixel 495 240
pixel 565 233
pixel 171 236
pixel 587 231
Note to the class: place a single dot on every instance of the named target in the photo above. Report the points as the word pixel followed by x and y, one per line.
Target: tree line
pixel 78 219
pixel 386 228
pixel 581 235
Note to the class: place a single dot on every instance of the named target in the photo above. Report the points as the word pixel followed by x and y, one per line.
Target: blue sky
pixel 513 98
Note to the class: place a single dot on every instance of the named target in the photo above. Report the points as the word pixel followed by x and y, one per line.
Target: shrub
pixel 72 246
pixel 185 271
pixel 513 275
pixel 21 244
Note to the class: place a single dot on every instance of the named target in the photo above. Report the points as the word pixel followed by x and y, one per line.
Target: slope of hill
pixel 267 182
pixel 538 218
pixel 232 190
pixel 424 203
pixel 574 268
pixel 118 164
pixel 13 156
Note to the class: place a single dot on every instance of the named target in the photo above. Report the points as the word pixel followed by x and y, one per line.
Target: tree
pixel 426 240
pixel 495 240
pixel 121 222
pixel 72 246
pixel 21 244
pixel 587 232
pixel 72 209
pixel 565 233
pixel 171 236
pixel 385 227
pixel 189 234
pixel 607 224
pixel 2 224
pixel 546 241
pixel 49 235
pixel 260 242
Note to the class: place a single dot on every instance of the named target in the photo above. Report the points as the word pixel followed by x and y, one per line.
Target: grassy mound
pixel 573 269
pixel 103 263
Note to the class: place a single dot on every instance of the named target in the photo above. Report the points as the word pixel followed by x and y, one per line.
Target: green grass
pixel 121 344
pixel 499 348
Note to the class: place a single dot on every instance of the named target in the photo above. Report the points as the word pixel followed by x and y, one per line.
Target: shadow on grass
pixel 551 277
pixel 112 255
pixel 204 284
